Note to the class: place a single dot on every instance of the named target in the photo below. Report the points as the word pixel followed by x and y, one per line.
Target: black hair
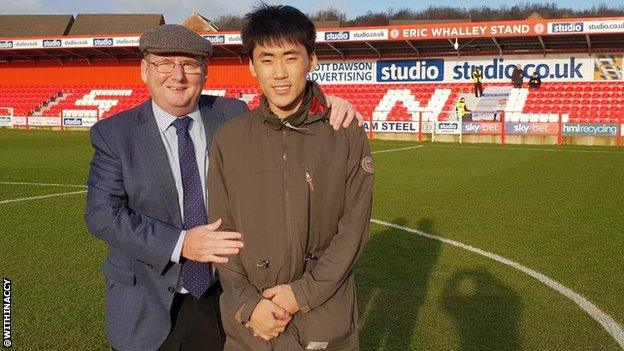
pixel 272 25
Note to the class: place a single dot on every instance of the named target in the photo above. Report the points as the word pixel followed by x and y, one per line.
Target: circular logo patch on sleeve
pixel 368 165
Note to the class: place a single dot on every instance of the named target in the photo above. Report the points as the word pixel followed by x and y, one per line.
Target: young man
pixel 300 194
pixel 146 200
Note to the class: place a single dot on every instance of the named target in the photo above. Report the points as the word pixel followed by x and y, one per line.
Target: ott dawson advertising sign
pixel 578 68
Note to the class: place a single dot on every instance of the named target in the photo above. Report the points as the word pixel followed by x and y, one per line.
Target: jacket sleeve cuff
pixel 243 315
pixel 300 296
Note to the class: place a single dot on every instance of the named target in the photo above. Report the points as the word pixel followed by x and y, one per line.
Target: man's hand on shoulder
pixel 206 244
pixel 342 112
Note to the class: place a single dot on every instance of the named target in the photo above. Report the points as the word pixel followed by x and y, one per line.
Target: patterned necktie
pixel 196 277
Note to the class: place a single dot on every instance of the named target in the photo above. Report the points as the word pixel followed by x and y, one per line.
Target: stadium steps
pixel 47 106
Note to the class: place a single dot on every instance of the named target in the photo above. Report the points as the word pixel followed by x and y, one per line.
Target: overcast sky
pixel 176 11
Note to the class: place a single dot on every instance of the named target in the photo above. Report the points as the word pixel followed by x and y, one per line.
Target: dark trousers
pixel 517 84
pixel 478 88
pixel 196 323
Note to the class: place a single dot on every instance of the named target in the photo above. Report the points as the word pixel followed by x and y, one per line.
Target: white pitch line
pixel 606 321
pixel 44 184
pixel 42 197
pixel 397 149
pixel 530 148
pixel 369 307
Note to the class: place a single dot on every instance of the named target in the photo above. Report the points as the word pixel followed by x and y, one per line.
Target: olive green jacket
pixel 300 193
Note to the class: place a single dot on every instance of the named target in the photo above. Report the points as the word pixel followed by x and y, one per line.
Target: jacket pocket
pixel 117 274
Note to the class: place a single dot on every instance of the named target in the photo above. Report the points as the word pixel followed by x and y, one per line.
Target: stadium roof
pixel 534 36
pixel 34 25
pixel 104 24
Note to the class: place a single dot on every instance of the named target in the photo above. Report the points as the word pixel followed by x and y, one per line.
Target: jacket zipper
pixel 309 181
pixel 287 204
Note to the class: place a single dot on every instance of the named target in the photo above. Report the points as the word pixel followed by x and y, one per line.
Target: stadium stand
pixel 87 67
pixel 600 102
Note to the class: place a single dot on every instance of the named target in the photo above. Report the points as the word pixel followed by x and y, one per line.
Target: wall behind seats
pixel 108 73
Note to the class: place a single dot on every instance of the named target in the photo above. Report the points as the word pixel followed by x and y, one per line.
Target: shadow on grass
pixel 485 311
pixel 392 278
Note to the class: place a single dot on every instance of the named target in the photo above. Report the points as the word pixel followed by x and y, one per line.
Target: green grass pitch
pixel 557 211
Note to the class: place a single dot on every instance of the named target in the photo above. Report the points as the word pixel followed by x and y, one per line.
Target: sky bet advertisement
pixel 438 70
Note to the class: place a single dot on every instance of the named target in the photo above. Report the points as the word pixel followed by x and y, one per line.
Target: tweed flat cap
pixel 174 39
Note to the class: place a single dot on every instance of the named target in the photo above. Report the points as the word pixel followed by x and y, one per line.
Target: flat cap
pixel 174 39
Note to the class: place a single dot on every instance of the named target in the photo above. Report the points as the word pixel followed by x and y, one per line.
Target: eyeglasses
pixel 167 67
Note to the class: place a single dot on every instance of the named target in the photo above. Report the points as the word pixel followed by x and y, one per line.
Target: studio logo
pixel 215 39
pixel 448 126
pixel 103 42
pixel 330 36
pixel 410 70
pixel 72 121
pixel 567 27
pixel 52 43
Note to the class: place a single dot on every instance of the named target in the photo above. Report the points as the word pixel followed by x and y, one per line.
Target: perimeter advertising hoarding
pixel 531 128
pixel 88 121
pixel 18 120
pixel 5 121
pixel 37 121
pixel 580 26
pixel 451 127
pixel 397 126
pixel 481 128
pixel 589 129
pixel 494 128
pixel 79 121
pixel 578 68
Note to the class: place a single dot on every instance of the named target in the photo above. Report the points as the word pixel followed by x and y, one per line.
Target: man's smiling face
pixel 281 71
pixel 177 92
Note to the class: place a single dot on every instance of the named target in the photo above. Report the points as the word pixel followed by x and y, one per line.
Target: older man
pixel 147 201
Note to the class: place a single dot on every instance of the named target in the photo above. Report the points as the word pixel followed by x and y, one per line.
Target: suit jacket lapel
pixel 150 143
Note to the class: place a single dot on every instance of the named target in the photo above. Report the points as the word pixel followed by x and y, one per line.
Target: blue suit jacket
pixel 132 204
